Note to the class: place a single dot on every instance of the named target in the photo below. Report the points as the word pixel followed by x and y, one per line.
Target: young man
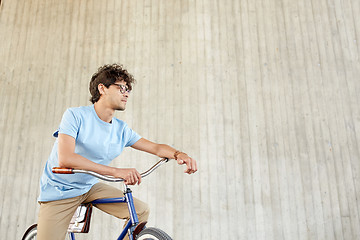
pixel 89 138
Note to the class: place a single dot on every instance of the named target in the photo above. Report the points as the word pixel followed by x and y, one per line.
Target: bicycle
pixel 136 230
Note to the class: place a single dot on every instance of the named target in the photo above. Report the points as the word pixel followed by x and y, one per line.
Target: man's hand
pixel 130 175
pixel 191 166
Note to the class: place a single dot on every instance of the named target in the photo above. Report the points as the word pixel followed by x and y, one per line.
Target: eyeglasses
pixel 123 88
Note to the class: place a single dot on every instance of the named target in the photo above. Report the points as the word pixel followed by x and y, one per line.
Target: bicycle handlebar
pixel 60 170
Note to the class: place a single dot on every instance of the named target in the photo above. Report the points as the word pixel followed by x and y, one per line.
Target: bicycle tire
pixel 30 233
pixel 152 233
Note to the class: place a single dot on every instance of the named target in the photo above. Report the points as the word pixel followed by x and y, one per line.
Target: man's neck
pixel 104 113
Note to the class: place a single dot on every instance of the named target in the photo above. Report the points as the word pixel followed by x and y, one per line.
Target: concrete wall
pixel 264 94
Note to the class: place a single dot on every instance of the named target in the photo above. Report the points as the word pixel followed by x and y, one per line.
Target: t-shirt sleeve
pixel 131 136
pixel 69 124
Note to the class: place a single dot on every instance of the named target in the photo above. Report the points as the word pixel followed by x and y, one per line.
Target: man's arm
pixel 165 151
pixel 69 159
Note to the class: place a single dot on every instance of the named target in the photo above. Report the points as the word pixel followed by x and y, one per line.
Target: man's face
pixel 117 95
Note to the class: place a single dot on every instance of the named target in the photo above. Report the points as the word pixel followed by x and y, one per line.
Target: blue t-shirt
pixel 95 140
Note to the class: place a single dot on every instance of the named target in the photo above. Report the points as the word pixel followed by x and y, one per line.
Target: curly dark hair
pixel 107 75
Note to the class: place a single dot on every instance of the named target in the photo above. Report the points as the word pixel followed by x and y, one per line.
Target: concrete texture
pixel 264 94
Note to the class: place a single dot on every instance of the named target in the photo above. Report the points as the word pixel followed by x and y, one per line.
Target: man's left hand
pixel 191 166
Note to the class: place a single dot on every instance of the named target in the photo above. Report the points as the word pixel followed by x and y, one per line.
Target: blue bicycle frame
pixel 133 221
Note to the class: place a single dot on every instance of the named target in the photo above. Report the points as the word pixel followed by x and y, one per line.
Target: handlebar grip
pixel 62 170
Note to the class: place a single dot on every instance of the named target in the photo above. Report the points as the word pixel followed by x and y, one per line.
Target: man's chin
pixel 120 109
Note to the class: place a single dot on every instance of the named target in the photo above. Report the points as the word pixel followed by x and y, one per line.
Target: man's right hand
pixel 130 175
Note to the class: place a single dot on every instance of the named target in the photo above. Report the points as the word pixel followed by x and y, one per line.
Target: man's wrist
pixel 176 154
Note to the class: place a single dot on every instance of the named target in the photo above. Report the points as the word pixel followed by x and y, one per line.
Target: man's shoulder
pixel 79 114
pixel 80 110
pixel 119 122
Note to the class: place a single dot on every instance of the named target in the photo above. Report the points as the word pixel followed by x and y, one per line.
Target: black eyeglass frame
pixel 123 88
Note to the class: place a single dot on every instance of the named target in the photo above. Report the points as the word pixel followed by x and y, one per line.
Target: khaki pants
pixel 55 216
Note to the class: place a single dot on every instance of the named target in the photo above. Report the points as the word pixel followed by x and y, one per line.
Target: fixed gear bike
pixel 136 230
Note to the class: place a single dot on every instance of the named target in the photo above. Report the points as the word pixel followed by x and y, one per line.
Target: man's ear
pixel 101 88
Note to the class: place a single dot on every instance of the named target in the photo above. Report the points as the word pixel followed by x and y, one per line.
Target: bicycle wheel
pixel 152 233
pixel 30 233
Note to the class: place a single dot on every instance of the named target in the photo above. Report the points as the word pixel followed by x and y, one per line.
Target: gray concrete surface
pixel 264 94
